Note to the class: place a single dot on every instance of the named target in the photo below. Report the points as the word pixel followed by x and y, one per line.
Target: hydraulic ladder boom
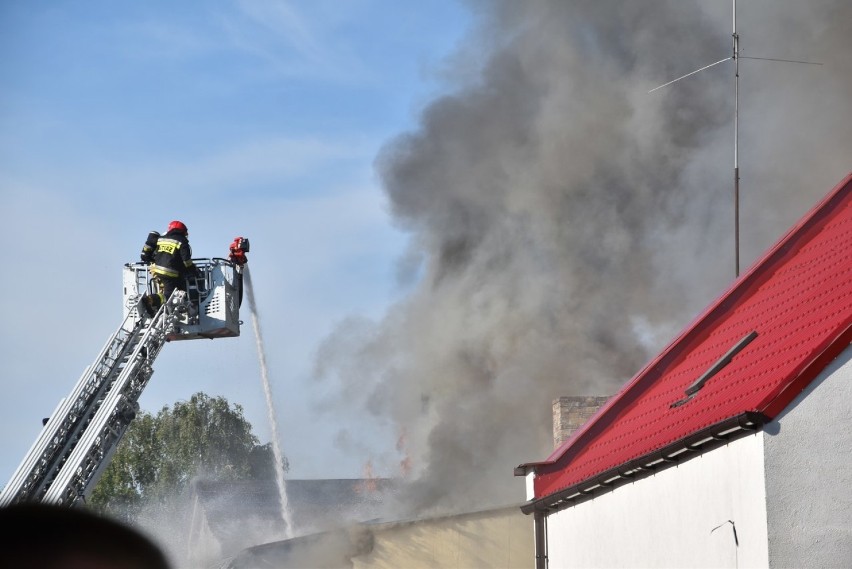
pixel 80 436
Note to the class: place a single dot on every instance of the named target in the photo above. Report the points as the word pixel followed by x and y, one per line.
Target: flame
pixel 402 447
pixel 369 484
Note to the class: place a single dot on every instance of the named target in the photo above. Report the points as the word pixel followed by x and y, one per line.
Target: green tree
pixel 159 455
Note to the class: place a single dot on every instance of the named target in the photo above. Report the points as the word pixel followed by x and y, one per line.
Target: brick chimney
pixel 569 414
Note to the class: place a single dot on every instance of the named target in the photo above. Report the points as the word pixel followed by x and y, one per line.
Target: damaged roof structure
pixel 229 516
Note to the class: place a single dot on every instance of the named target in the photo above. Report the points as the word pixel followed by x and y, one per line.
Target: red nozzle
pixel 238 250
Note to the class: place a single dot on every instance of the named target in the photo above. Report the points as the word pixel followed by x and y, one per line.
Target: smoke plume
pixel 565 224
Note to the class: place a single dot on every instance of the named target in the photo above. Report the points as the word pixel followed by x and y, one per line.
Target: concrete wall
pixel 809 474
pixel 668 520
pixel 494 539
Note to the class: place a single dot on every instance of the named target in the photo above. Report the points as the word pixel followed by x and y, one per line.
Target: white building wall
pixel 668 520
pixel 809 474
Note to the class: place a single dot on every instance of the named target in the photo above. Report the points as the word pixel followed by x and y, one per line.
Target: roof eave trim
pixel 777 401
pixel 705 440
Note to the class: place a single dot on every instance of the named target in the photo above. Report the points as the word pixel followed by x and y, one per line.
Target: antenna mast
pixel 736 40
pixel 736 57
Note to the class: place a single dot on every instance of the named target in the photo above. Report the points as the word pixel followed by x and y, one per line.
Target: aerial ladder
pixel 80 437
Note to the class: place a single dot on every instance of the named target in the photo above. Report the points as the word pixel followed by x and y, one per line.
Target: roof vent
pixel 715 368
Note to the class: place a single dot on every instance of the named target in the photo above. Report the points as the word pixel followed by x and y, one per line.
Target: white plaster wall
pixel 529 482
pixel 809 474
pixel 667 520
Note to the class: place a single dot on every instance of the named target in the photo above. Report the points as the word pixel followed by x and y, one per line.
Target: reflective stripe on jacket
pixel 147 254
pixel 173 256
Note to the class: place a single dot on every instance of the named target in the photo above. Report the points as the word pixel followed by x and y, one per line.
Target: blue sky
pixel 253 118
pixel 550 198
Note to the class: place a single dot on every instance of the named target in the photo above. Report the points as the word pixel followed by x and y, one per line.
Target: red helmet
pixel 178 225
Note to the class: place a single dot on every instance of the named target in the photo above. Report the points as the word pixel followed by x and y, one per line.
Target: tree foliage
pixel 159 455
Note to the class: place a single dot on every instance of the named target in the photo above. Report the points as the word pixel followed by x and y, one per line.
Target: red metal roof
pixel 798 298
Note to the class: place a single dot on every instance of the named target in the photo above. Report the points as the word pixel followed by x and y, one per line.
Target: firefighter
pixel 171 264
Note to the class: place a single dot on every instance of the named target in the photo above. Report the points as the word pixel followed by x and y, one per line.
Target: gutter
pixel 704 440
pixel 540 529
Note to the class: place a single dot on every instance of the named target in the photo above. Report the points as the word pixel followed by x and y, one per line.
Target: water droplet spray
pixel 270 408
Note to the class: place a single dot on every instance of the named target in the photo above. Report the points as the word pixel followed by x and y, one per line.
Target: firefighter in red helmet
pixel 171 262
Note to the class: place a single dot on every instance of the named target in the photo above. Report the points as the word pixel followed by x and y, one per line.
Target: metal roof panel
pixel 797 299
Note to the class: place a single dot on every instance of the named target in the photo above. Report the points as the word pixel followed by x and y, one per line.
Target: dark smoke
pixel 565 224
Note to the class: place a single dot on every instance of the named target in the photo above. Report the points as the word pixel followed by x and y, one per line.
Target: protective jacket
pixel 173 256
